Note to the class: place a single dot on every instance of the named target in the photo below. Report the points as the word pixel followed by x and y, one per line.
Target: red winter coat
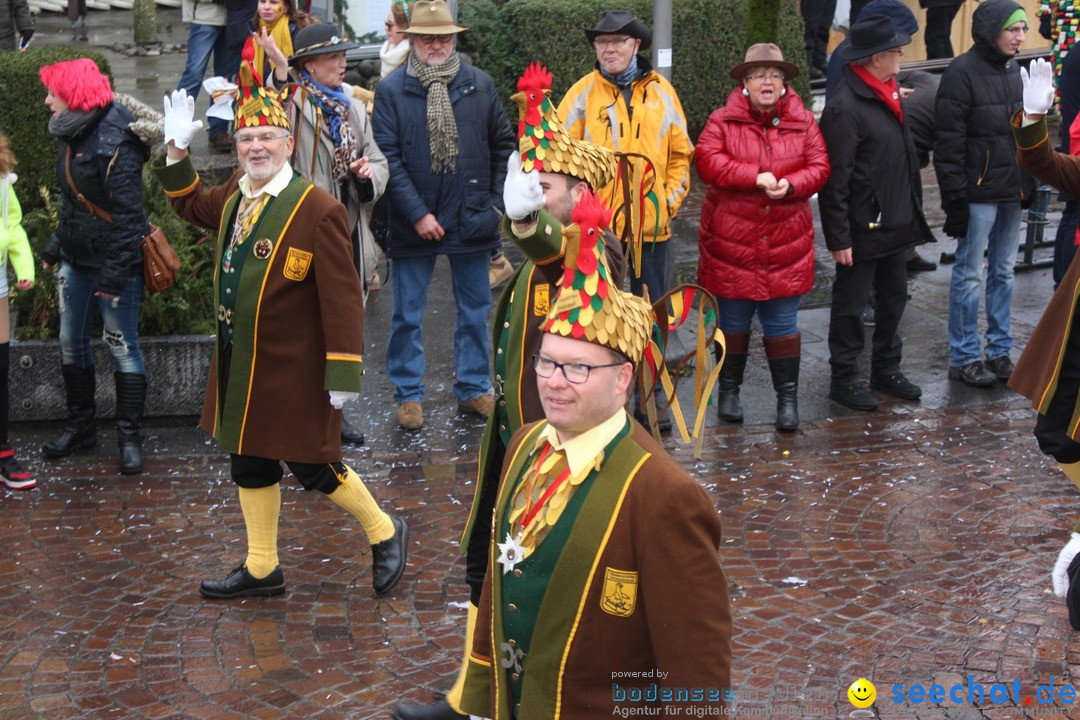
pixel 754 248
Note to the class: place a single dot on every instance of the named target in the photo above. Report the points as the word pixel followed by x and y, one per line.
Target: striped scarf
pixel 335 111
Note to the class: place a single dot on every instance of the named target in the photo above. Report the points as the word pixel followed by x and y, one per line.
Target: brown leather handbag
pixel 160 261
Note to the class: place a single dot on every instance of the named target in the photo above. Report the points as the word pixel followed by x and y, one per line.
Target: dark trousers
pixel 856 8
pixel 1065 241
pixel 77 9
pixel 1052 429
pixel 939 31
pixel 887 277
pixel 817 19
pixel 253 472
pixel 478 551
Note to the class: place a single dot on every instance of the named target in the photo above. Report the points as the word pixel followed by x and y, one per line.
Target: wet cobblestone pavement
pixel 904 547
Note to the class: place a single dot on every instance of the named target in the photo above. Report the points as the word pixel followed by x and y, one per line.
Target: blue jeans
pixel 202 41
pixel 653 270
pixel 778 316
pixel 120 317
pixel 994 227
pixel 405 362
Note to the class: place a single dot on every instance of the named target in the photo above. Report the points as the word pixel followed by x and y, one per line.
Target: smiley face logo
pixel 862 693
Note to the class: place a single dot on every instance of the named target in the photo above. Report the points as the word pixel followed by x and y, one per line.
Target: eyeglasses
pixel 577 373
pixel 604 43
pixel 1016 30
pixel 432 39
pixel 762 77
pixel 268 138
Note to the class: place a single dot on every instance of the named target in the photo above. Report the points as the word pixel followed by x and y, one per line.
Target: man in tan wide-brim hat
pixel 444 198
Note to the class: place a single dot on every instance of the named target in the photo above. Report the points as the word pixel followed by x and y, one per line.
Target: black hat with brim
pixel 318 39
pixel 620 22
pixel 873 35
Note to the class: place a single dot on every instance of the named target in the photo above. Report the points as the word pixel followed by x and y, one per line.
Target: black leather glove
pixel 956 218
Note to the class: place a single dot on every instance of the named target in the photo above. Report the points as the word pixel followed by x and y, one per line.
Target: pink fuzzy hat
pixel 79 83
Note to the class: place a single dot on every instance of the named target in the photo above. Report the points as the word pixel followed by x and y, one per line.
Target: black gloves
pixel 956 217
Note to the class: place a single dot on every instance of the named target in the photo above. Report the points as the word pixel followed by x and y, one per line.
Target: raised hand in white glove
pixel 522 194
pixel 1060 575
pixel 338 398
pixel 180 122
pixel 1038 81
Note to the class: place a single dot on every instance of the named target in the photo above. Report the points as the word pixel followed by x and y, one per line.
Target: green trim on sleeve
pixel 344 375
pixel 179 178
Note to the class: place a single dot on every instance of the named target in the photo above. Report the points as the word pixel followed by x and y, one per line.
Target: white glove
pixel 1038 87
pixel 522 194
pixel 339 398
pixel 180 123
pixel 1060 575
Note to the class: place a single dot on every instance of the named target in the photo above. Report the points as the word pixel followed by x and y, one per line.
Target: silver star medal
pixel 511 552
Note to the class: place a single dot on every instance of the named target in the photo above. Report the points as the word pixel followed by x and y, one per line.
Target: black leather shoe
pixel 920 264
pixel 239 583
pixel 438 710
pixel 974 374
pixel 854 395
pixel 388 558
pixel 131 460
pixel 349 434
pixel 1002 367
pixel 896 384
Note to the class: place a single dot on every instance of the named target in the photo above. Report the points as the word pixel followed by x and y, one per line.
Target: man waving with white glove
pixel 1048 372
pixel 288 354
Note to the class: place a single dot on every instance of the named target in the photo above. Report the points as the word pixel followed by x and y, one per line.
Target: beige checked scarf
pixel 441 125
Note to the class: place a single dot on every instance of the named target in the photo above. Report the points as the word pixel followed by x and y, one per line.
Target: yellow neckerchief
pixel 583 449
pixel 277 183
pixel 279 30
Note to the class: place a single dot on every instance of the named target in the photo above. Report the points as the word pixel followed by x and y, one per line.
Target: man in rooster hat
pixel 289 303
pixel 595 527
pixel 538 204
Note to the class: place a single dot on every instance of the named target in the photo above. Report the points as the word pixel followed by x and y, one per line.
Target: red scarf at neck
pixel 888 92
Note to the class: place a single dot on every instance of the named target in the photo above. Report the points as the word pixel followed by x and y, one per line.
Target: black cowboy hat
pixel 318 39
pixel 615 22
pixel 873 35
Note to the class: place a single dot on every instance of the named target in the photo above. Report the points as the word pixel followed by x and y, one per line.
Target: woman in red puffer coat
pixel 762 158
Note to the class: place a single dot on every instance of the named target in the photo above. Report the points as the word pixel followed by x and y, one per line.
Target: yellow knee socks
pixel 453 698
pixel 358 502
pixel 260 507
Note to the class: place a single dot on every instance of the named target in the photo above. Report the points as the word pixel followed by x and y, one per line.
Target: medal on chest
pixel 263 248
pixel 511 552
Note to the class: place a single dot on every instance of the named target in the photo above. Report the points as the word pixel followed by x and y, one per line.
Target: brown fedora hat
pixel 432 17
pixel 764 55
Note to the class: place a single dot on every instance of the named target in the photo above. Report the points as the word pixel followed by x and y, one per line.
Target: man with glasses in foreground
pixel 605 589
pixel 288 354
pixel 444 132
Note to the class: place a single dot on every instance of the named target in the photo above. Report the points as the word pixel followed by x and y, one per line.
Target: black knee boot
pixel 80 431
pixel 784 354
pixel 130 400
pixel 731 376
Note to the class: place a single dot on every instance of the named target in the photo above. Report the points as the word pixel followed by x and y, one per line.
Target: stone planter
pixel 176 369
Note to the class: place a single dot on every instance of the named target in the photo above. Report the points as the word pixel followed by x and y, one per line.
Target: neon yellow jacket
pixel 593 110
pixel 13 239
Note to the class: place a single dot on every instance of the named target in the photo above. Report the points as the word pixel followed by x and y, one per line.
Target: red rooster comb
pixel 536 77
pixel 591 213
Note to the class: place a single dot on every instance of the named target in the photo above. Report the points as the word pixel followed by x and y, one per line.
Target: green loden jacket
pixel 298 321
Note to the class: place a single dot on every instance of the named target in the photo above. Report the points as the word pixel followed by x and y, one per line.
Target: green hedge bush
pixel 709 38
pixel 25 119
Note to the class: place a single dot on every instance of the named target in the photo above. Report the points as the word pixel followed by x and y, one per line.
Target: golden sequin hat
pixel 589 306
pixel 544 143
pixel 256 105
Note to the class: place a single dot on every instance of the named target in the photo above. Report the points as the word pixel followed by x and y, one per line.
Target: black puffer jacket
pixel 974 153
pixel 872 202
pixel 106 167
